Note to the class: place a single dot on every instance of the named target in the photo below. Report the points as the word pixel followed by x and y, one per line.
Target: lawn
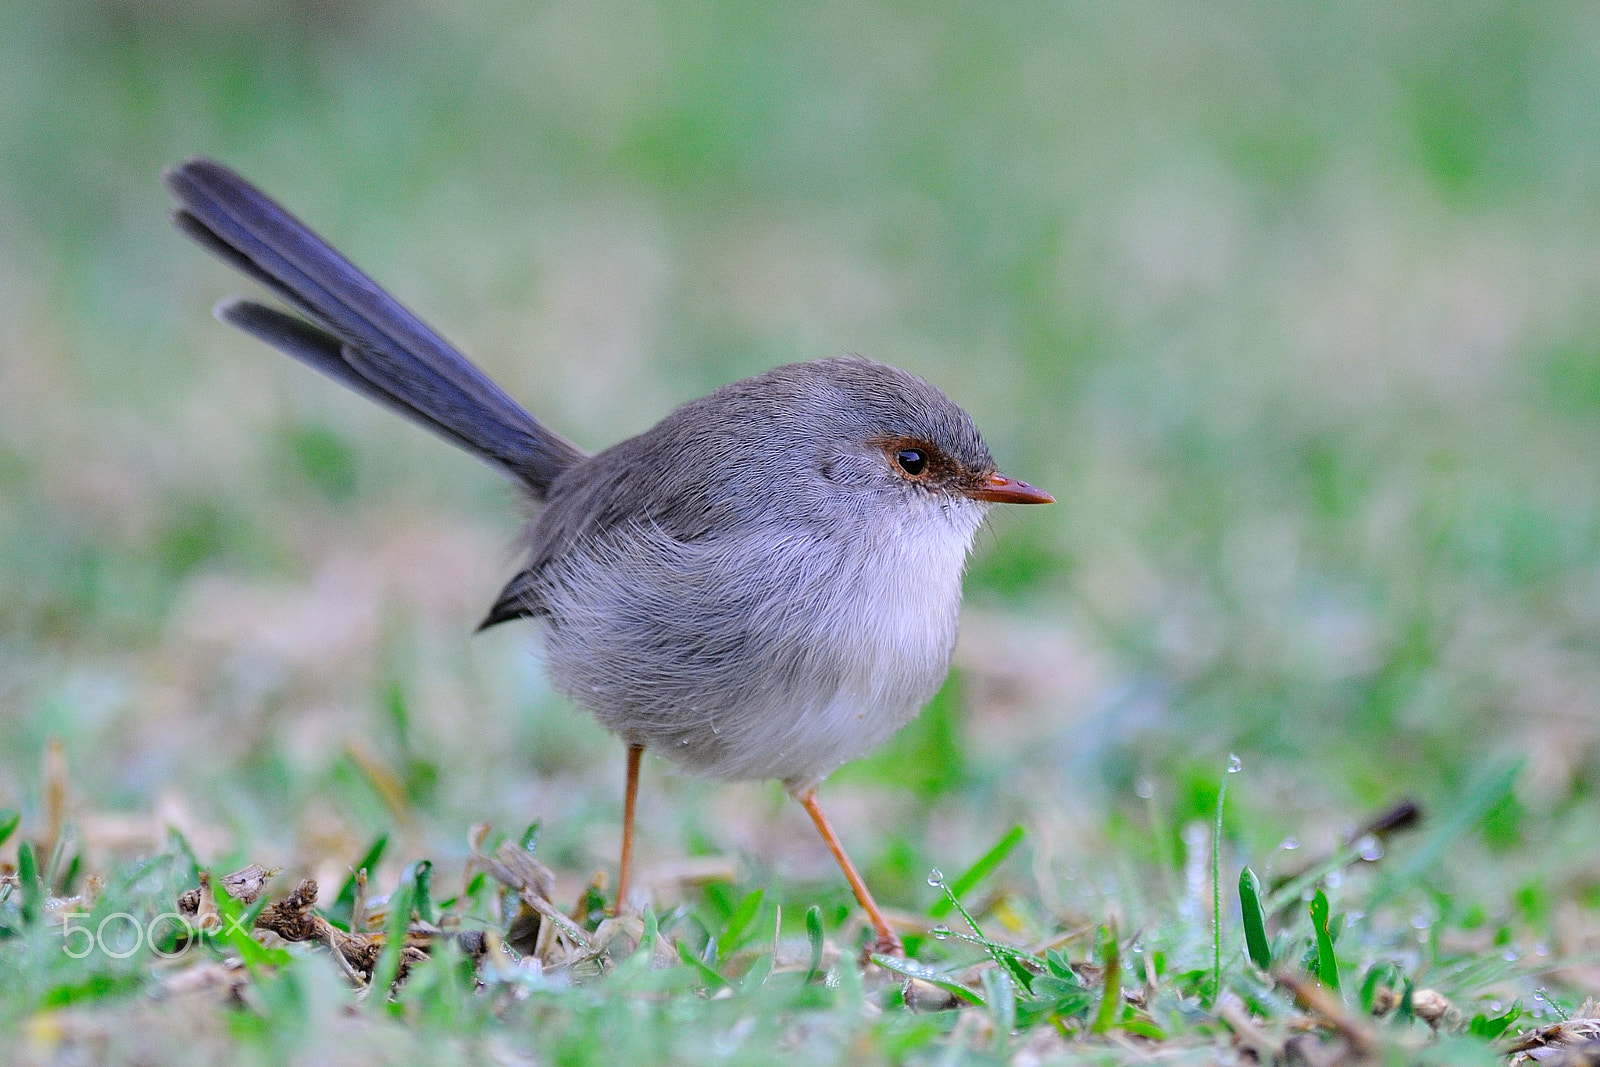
pixel 1294 311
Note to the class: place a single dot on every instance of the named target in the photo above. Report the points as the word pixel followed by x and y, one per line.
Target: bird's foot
pixel 883 944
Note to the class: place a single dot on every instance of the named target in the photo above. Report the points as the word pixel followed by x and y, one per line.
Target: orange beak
pixel 998 489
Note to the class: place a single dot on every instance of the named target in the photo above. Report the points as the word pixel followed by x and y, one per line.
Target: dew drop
pixel 1510 955
pixel 1370 848
pixel 1145 788
pixel 940 933
pixel 1334 879
pixel 936 878
pixel 1289 844
pixel 1541 950
pixel 1235 764
pixel 1421 921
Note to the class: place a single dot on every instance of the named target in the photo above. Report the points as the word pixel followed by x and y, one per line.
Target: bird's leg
pixel 886 940
pixel 630 794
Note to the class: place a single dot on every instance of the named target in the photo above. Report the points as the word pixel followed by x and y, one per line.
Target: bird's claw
pixel 883 944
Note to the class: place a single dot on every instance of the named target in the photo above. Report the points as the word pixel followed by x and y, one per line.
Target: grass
pixel 1293 311
pixel 118 961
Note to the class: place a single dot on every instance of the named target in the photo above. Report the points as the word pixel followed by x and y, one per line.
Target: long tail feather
pixel 359 335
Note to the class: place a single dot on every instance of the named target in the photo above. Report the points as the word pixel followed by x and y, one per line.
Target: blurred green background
pixel 1294 308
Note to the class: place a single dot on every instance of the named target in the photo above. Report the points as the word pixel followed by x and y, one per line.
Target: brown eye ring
pixel 914 461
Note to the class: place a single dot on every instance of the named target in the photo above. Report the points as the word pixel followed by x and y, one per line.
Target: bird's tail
pixel 358 334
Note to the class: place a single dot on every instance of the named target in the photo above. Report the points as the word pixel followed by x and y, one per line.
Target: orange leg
pixel 628 797
pixel 886 941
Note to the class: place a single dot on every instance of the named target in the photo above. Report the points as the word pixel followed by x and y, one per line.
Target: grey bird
pixel 763 585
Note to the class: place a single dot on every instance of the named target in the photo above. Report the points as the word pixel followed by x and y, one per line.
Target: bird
pixel 763 585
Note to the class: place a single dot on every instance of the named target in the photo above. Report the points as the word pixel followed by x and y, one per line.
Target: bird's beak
pixel 996 488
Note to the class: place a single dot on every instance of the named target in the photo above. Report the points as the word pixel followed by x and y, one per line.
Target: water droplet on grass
pixel 1145 788
pixel 936 878
pixel 940 933
pixel 1289 844
pixel 1370 848
pixel 1235 764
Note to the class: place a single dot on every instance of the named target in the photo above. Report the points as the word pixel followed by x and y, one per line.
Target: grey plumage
pixel 752 588
pixel 748 588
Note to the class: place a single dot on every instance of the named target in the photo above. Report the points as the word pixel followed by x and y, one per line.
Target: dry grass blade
pixel 1315 998
pixel 1547 1042
pixel 1233 1012
pixel 516 869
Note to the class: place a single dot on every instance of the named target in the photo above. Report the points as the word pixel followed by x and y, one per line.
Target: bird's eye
pixel 912 460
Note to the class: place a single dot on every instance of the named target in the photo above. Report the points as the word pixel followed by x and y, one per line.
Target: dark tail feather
pixel 362 336
pixel 317 348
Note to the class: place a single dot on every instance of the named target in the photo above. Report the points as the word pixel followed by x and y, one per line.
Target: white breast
pixel 896 626
pixel 693 650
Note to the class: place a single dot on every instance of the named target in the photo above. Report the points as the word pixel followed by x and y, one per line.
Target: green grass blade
pixel 814 935
pixel 1111 989
pixel 1002 997
pixel 394 941
pixel 1216 885
pixel 31 884
pixel 740 920
pixel 1488 1028
pixel 757 975
pixel 52 872
pixel 980 870
pixel 9 818
pixel 1254 920
pixel 913 969
pixel 1327 966
pixel 237 921
pixel 706 972
pixel 1004 955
